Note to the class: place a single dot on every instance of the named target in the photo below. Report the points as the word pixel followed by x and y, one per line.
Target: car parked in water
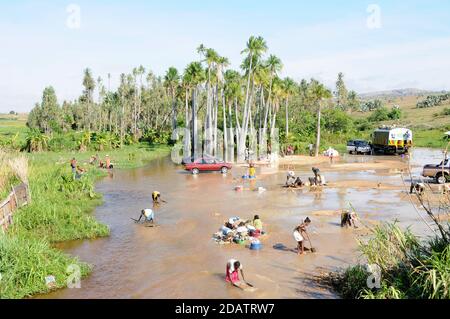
pixel 359 147
pixel 206 164
pixel 440 173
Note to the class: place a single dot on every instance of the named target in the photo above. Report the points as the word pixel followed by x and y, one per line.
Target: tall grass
pixel 26 262
pixel 13 168
pixel 410 269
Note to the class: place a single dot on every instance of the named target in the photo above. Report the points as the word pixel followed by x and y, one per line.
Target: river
pixel 179 259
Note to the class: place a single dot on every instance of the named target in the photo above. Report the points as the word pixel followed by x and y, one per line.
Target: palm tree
pixel 320 93
pixel 171 82
pixel 222 63
pixel 289 87
pixel 195 73
pixel 256 46
pixel 89 86
pixel 211 57
pixel 274 66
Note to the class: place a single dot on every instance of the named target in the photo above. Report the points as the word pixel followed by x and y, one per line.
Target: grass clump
pixel 26 262
pixel 410 269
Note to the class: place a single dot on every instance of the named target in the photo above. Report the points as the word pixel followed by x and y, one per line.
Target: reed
pixel 410 269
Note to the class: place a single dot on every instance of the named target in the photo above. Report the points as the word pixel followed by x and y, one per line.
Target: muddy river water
pixel 179 259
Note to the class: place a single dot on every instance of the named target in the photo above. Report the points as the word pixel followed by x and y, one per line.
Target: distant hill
pixel 397 93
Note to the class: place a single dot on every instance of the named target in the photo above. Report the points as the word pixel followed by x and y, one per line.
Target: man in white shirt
pixel 148 215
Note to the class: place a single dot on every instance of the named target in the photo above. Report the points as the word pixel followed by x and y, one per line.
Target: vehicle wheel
pixel 195 171
pixel 441 179
pixel 224 170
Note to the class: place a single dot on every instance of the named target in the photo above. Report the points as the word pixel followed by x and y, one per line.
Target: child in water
pixel 252 171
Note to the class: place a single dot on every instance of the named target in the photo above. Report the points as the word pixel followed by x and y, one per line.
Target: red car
pixel 207 165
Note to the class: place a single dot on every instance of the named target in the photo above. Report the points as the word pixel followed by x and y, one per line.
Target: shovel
pixel 313 250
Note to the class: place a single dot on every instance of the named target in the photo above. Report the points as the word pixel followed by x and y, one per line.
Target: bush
pixel 396 113
pixel 63 142
pixel 156 137
pixel 380 114
pixel 384 114
pixel 337 121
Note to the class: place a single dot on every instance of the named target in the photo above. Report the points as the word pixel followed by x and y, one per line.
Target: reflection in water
pixel 179 259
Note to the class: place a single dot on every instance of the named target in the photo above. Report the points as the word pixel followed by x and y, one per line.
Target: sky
pixel 378 45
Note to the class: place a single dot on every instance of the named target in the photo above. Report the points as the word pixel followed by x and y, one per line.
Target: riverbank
pixel 60 211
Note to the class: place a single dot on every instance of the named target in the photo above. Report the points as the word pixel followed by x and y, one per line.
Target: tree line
pixel 207 97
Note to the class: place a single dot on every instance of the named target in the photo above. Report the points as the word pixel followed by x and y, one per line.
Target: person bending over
pixel 232 276
pixel 299 235
pixel 148 215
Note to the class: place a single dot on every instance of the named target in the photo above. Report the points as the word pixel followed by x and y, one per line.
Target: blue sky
pixel 313 38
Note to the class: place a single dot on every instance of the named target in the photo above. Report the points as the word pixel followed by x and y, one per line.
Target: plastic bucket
pixel 256 245
pixel 225 230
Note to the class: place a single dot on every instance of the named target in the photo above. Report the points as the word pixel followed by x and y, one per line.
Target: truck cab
pixel 440 173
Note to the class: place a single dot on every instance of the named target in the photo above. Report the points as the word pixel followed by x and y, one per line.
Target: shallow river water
pixel 180 260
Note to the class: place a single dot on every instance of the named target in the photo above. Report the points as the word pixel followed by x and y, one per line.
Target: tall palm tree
pixel 289 87
pixel 196 75
pixel 222 63
pixel 89 87
pixel 320 93
pixel 256 47
pixel 171 82
pixel 274 66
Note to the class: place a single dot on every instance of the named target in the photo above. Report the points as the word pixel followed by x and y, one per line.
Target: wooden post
pixel 28 193
pixel 15 196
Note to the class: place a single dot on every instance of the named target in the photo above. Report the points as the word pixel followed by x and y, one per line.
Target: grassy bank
pixel 60 211
pixel 430 138
pixel 410 268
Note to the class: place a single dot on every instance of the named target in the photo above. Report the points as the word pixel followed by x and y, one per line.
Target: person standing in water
pixel 299 233
pixel 252 171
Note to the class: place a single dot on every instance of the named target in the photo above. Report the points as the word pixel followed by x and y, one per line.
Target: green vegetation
pixel 433 100
pixel 384 114
pixel 410 269
pixel 433 138
pixel 60 211
pixel 25 263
